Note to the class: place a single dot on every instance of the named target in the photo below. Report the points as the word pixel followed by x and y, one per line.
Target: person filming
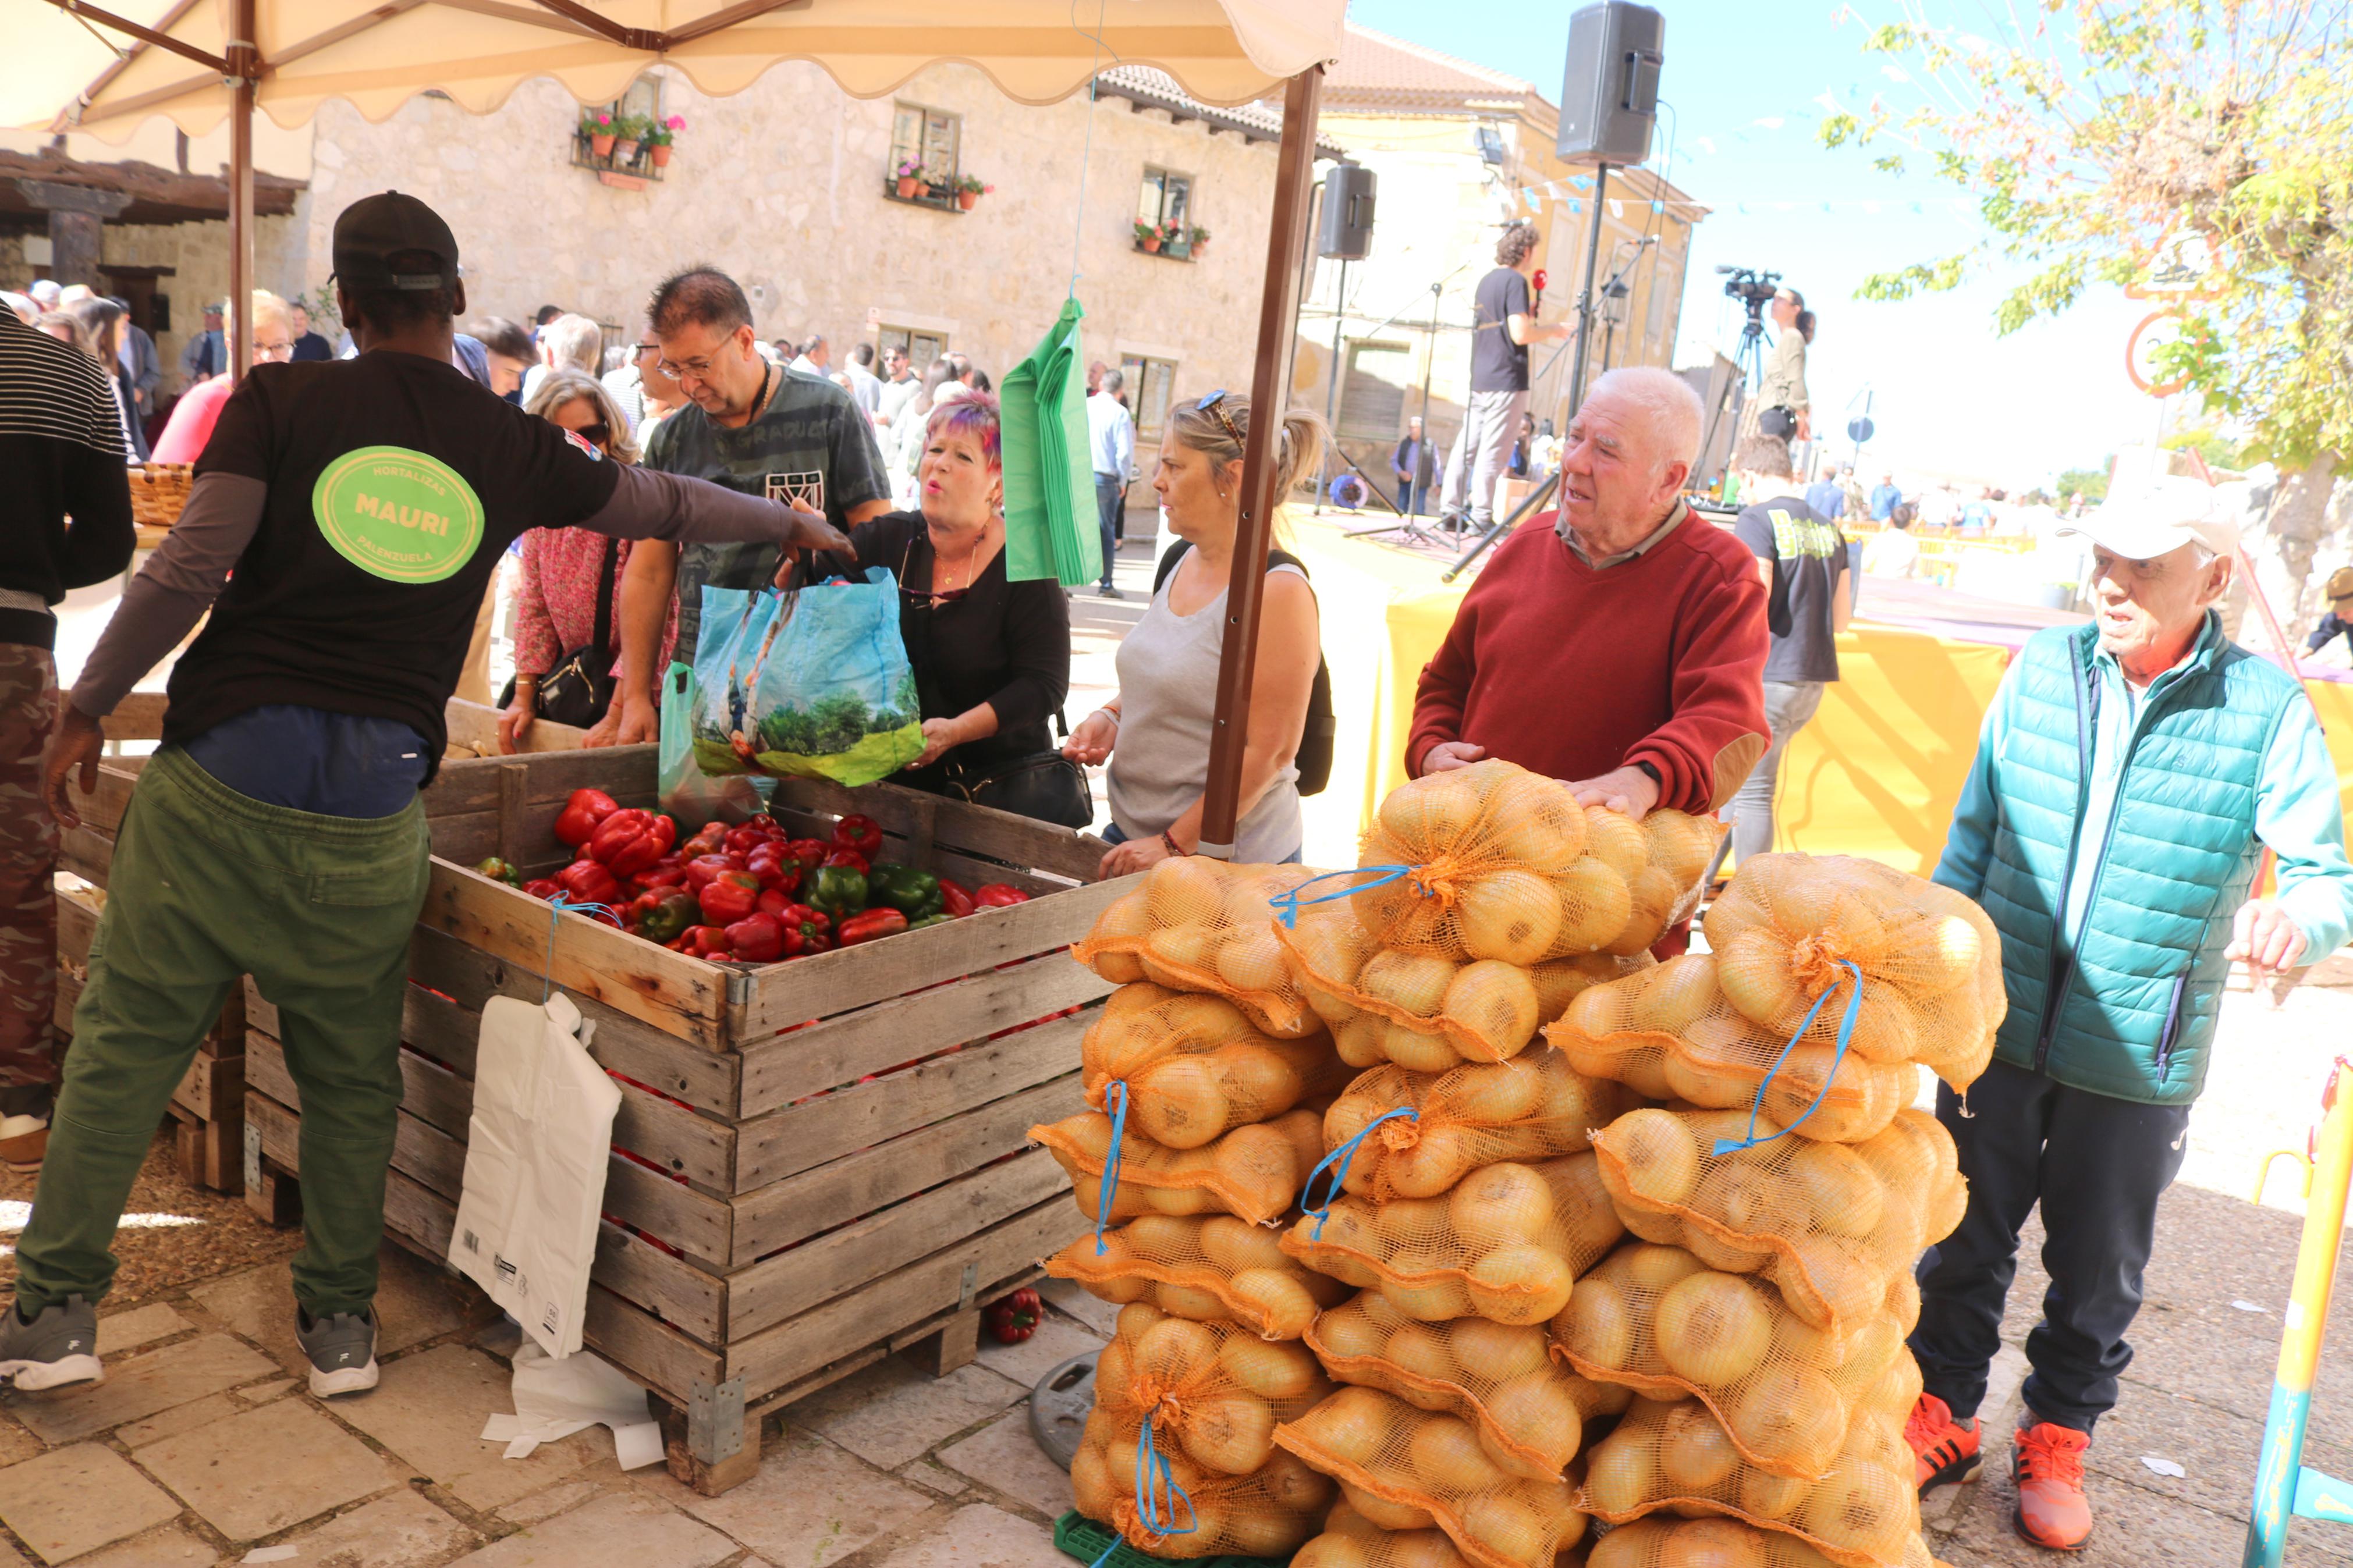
pixel 1503 325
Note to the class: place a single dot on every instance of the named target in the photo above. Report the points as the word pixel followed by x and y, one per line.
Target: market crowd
pixel 2129 778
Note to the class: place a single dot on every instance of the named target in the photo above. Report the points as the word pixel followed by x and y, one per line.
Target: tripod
pixel 1409 527
pixel 1748 370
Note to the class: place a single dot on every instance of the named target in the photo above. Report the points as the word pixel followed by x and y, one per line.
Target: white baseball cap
pixel 2156 517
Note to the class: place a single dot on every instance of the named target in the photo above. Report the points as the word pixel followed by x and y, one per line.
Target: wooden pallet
pixel 816 1163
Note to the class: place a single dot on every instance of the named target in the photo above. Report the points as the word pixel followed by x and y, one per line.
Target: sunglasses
pixel 597 434
pixel 1216 403
pixel 924 598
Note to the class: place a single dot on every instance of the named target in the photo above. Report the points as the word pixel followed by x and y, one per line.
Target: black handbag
pixel 579 689
pixel 1045 787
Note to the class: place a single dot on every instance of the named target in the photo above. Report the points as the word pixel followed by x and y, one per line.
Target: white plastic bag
pixel 536 1157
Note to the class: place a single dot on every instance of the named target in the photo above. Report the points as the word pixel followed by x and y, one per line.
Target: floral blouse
pixel 555 606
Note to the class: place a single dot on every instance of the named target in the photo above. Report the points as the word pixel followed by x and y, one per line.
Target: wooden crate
pixel 815 1162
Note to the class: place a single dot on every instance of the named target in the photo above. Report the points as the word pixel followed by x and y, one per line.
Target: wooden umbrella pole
pixel 244 64
pixel 1295 180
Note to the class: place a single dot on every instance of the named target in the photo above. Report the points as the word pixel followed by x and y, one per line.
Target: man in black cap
pixel 362 505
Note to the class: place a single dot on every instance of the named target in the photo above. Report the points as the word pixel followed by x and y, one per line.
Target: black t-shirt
pixel 1497 363
pixel 1808 556
pixel 395 483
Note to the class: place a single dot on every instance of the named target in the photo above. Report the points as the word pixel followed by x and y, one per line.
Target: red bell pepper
pixel 587 882
pixel 996 895
pixel 757 938
pixel 704 942
pixel 862 834
pixel 576 822
pixel 872 925
pixel 543 887
pixel 844 855
pixel 954 897
pixel 745 839
pixel 773 867
pixel 809 852
pixel 666 872
pixel 629 841
pixel 729 896
pixel 708 841
pixel 702 868
pixel 1013 1319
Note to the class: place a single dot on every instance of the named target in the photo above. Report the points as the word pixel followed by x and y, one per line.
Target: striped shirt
pixel 52 389
pixel 61 449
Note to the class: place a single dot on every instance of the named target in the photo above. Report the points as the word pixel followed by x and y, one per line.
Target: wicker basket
pixel 159 492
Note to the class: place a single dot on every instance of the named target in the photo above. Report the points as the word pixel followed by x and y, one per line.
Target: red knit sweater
pixel 1572 672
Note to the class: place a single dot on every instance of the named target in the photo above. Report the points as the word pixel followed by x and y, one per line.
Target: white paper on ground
pixel 271 1555
pixel 556 1398
pixel 2249 1307
pixel 2163 1466
pixel 536 1151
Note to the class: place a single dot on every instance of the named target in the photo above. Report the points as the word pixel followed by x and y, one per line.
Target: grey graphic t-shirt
pixel 811 445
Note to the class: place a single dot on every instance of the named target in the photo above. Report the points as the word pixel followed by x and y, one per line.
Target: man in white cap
pixel 2129 778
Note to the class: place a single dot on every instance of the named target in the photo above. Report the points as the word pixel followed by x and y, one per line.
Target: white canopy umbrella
pixel 78 66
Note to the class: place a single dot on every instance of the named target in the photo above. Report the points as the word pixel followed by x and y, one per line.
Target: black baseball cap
pixel 373 229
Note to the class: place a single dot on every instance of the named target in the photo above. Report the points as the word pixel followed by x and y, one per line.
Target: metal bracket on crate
pixel 739 988
pixel 252 1157
pixel 715 1420
pixel 970 1287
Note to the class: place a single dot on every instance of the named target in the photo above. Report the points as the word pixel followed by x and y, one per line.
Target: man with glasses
pixel 751 426
pixel 899 384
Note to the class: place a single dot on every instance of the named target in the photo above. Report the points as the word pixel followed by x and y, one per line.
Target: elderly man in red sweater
pixel 1622 648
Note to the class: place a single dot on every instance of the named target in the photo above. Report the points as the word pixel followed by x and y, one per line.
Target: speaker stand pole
pixel 1585 295
pixel 1332 388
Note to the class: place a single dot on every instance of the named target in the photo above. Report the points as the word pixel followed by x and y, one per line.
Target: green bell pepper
pixel 941 919
pixel 836 891
pixel 913 893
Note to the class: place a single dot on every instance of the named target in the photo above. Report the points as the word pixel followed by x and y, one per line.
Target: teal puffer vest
pixel 2131 1013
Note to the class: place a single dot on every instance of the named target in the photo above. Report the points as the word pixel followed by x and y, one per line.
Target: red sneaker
pixel 2047 1461
pixel 1944 1450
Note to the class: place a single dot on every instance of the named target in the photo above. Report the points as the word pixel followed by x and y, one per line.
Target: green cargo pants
pixel 208 886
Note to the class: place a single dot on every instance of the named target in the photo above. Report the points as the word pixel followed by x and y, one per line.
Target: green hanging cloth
pixel 1050 528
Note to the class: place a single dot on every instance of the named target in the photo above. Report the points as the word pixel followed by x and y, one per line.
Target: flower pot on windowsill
pixel 601 143
pixel 1152 245
pixel 968 200
pixel 625 152
pixel 908 185
pixel 660 156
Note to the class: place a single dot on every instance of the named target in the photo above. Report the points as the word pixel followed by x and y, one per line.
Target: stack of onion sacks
pixel 1206 926
pixel 1253 1172
pixel 1194 1067
pixel 1210 1270
pixel 1213 1394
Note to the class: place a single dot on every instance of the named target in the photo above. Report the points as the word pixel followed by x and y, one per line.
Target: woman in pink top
pixel 555 601
pixel 193 417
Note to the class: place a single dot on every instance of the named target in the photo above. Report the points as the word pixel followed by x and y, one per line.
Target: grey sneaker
pixel 342 1348
pixel 59 1347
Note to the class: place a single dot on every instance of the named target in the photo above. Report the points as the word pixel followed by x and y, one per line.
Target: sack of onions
pixel 1214 1392
pixel 1505 1243
pixel 1827 1223
pixel 1206 926
pixel 1789 928
pixel 1494 861
pixel 1210 1270
pixel 1662 1542
pixel 1530 1411
pixel 1117 1481
pixel 1858 1513
pixel 1195 1068
pixel 1668 1033
pixel 1403 1468
pixel 1655 1320
pixel 1253 1173
pixel 1352 1541
pixel 1434 1129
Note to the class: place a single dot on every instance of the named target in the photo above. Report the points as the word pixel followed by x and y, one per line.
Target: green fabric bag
pixel 1075 1535
pixel 1050 528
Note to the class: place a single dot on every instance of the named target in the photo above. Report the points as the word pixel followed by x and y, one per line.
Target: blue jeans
pixel 1112 834
pixel 1413 500
pixel 1111 493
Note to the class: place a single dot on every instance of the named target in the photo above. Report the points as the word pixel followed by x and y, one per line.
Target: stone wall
pixel 199 254
pixel 782 185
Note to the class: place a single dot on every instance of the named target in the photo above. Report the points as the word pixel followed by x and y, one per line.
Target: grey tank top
pixel 1167 701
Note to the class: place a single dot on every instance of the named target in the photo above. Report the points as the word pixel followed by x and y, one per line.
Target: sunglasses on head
pixel 1216 403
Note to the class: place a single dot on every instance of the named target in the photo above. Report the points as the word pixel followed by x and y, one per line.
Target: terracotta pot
pixel 601 144
pixel 1152 244
pixel 968 200
pixel 660 156
pixel 625 152
pixel 907 187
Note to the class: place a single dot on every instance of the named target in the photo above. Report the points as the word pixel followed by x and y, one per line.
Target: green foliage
pixel 2219 451
pixel 2088 130
pixel 2092 484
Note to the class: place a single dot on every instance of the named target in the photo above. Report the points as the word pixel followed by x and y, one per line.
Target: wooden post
pixel 1294 179
pixel 244 64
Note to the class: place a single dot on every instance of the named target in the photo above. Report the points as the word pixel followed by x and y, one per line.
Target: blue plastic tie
pixel 1157 1491
pixel 1336 1164
pixel 1115 1096
pixel 1287 903
pixel 1845 1032
pixel 556 904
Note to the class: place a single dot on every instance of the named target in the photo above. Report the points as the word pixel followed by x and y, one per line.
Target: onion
pixel 1616 840
pixel 1765 1495
pixel 1534 822
pixel 1232 1245
pixel 1272 1372
pixel 1434 1163
pixel 1714 1544
pixel 1422 1351
pixel 1419 1049
pixel 1753 969
pixel 1174 1350
pixel 1842 1192
pixel 1494 1001
pixel 1445 1454
pixel 1347 1334
pixel 1711 1329
pixel 1509 1529
pixel 1661 1157
pixel 1620 1474
pixel 1860 1509
pixel 1598 1324
pixel 1751 1199
pixel 1680 846
pixel 1652 895
pixel 1252 959
pixel 1262 1081
pixel 1695 1453
pixel 1522 1283
pixel 1790 1417
pixel 1232 1432
pixel 1534 1409
pixel 1328 1550
pixel 1410 1221
pixel 1496 1353
pixel 1424 1285
pixel 1350 1427
pixel 1413 983
pixel 1431 813
pixel 1601 1011
pixel 1185 889
pixel 1357 1041
pixel 1825 1280
pixel 1595 903
pixel 1677 993
pixel 1514 916
pixel 1193 1301
pixel 1255 1528
pixel 1181 1102
pixel 1383 1513
pixel 1503 1203
pixel 1093 1490
pixel 1278 1306
pixel 1655 1270
pixel 1419 1549
pixel 1180 954
pixel 1559 981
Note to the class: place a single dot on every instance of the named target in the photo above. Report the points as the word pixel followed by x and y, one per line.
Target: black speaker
pixel 1610 96
pixel 1347 234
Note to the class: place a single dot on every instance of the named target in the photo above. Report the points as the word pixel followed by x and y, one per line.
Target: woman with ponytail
pixel 1156 733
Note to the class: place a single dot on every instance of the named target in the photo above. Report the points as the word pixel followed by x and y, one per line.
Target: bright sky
pixel 1747 84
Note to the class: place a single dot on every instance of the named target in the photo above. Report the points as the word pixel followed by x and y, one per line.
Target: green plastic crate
pixel 1078 1536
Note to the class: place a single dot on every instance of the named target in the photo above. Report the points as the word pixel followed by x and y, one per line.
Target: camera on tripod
pixel 1750 288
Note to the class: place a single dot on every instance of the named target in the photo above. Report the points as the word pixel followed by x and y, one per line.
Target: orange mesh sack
pixel 1668 1033
pixel 1791 928
pixel 1207 1269
pixel 1655 1320
pixel 1830 1223
pixel 1352 1541
pixel 1431 1129
pixel 1253 1172
pixel 1195 1068
pixel 1198 924
pixel 1658 1543
pixel 1403 1468
pixel 1859 1513
pixel 1168 1505
pixel 1530 1411
pixel 1494 861
pixel 1214 1392
pixel 1504 1245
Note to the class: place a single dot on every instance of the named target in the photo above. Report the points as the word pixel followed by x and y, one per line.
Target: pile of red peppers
pixel 749 892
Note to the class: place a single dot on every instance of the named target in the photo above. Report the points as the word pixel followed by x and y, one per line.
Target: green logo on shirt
pixel 398 514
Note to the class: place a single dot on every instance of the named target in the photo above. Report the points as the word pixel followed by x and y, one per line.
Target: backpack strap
pixel 1168 560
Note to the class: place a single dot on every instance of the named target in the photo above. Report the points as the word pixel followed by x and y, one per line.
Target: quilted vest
pixel 2130 1011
